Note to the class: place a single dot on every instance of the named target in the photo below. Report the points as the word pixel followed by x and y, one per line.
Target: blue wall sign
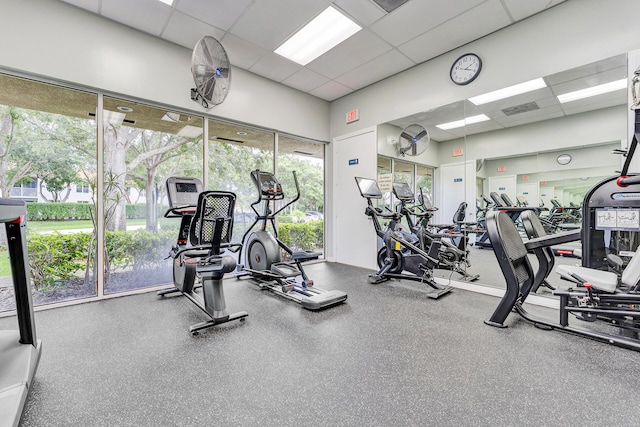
pixel 353 162
pixel 502 188
pixel 457 179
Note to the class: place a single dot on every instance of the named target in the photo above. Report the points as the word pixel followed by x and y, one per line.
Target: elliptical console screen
pixel 269 184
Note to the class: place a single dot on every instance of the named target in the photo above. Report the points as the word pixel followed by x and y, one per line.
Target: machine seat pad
pixel 305 255
pixel 605 281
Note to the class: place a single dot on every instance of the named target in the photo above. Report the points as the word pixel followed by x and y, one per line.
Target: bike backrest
pixel 507 200
pixel 213 220
pixel 496 199
pixel 461 213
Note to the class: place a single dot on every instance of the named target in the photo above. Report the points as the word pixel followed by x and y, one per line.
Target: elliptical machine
pixel 398 255
pixel 205 232
pixel 263 257
pixel 450 256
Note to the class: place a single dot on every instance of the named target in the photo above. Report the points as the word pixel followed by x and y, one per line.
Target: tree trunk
pixel 115 150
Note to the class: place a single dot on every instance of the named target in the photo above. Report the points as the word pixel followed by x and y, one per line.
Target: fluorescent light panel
pixel 509 91
pixel 113 117
pixel 324 32
pixel 464 122
pixel 190 131
pixel 169 2
pixel 593 91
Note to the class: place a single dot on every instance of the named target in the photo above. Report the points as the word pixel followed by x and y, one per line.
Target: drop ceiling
pixel 545 99
pixel 388 43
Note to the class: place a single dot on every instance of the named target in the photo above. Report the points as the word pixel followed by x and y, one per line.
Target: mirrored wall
pixel 539 149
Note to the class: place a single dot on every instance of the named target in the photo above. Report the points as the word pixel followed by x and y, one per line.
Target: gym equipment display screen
pixel 186 187
pixel 369 188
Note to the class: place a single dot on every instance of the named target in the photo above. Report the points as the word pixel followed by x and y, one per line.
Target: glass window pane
pixel 235 151
pixel 48 134
pixel 302 226
pixel 143 146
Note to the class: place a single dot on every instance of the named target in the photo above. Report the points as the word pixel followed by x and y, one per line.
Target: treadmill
pixel 19 349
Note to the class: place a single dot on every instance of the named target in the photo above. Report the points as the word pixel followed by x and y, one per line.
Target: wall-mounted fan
pixel 211 72
pixel 413 140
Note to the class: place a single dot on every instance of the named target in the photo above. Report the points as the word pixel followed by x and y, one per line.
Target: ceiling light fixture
pixel 324 32
pixel 509 91
pixel 113 117
pixel 169 2
pixel 124 109
pixel 190 131
pixel 241 133
pixel 464 122
pixel 593 91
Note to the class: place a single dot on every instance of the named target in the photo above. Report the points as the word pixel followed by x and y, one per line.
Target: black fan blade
pixel 406 136
pixel 420 135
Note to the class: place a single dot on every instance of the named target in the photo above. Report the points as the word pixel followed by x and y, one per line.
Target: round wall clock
pixel 465 69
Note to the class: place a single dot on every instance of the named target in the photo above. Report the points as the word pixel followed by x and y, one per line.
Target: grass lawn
pixel 5 267
pixel 41 226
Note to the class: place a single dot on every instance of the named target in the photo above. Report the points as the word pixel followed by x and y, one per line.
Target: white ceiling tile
pixel 330 91
pixel 221 13
pixel 365 12
pixel 416 17
pixel 90 5
pixel 596 102
pixel 268 23
pixel 275 67
pixel 550 112
pixel 375 70
pixel 305 80
pixel 149 16
pixel 613 65
pixel 356 50
pixel 187 31
pixel 242 53
pixel 522 9
pixel 471 25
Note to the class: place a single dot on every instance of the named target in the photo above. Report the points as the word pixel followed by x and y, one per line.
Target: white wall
pixel 58 41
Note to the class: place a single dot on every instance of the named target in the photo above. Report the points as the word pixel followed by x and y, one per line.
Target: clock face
pixel 465 69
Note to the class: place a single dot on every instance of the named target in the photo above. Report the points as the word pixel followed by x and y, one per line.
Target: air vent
pixel 220 138
pixel 522 108
pixel 390 5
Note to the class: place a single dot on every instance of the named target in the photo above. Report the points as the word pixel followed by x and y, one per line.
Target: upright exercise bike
pixel 205 232
pixel 399 258
pixel 262 251
pixel 450 256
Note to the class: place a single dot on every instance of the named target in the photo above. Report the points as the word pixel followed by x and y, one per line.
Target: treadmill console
pixel 183 192
pixel 267 183
pixel 403 191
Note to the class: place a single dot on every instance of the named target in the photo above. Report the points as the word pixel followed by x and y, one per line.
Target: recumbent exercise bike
pixel 205 233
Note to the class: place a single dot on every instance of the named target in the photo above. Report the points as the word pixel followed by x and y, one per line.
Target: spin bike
pixel 399 258
pixel 205 232
pixel 450 256
pixel 263 256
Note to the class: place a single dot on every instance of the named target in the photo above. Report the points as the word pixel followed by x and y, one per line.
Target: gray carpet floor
pixel 389 356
